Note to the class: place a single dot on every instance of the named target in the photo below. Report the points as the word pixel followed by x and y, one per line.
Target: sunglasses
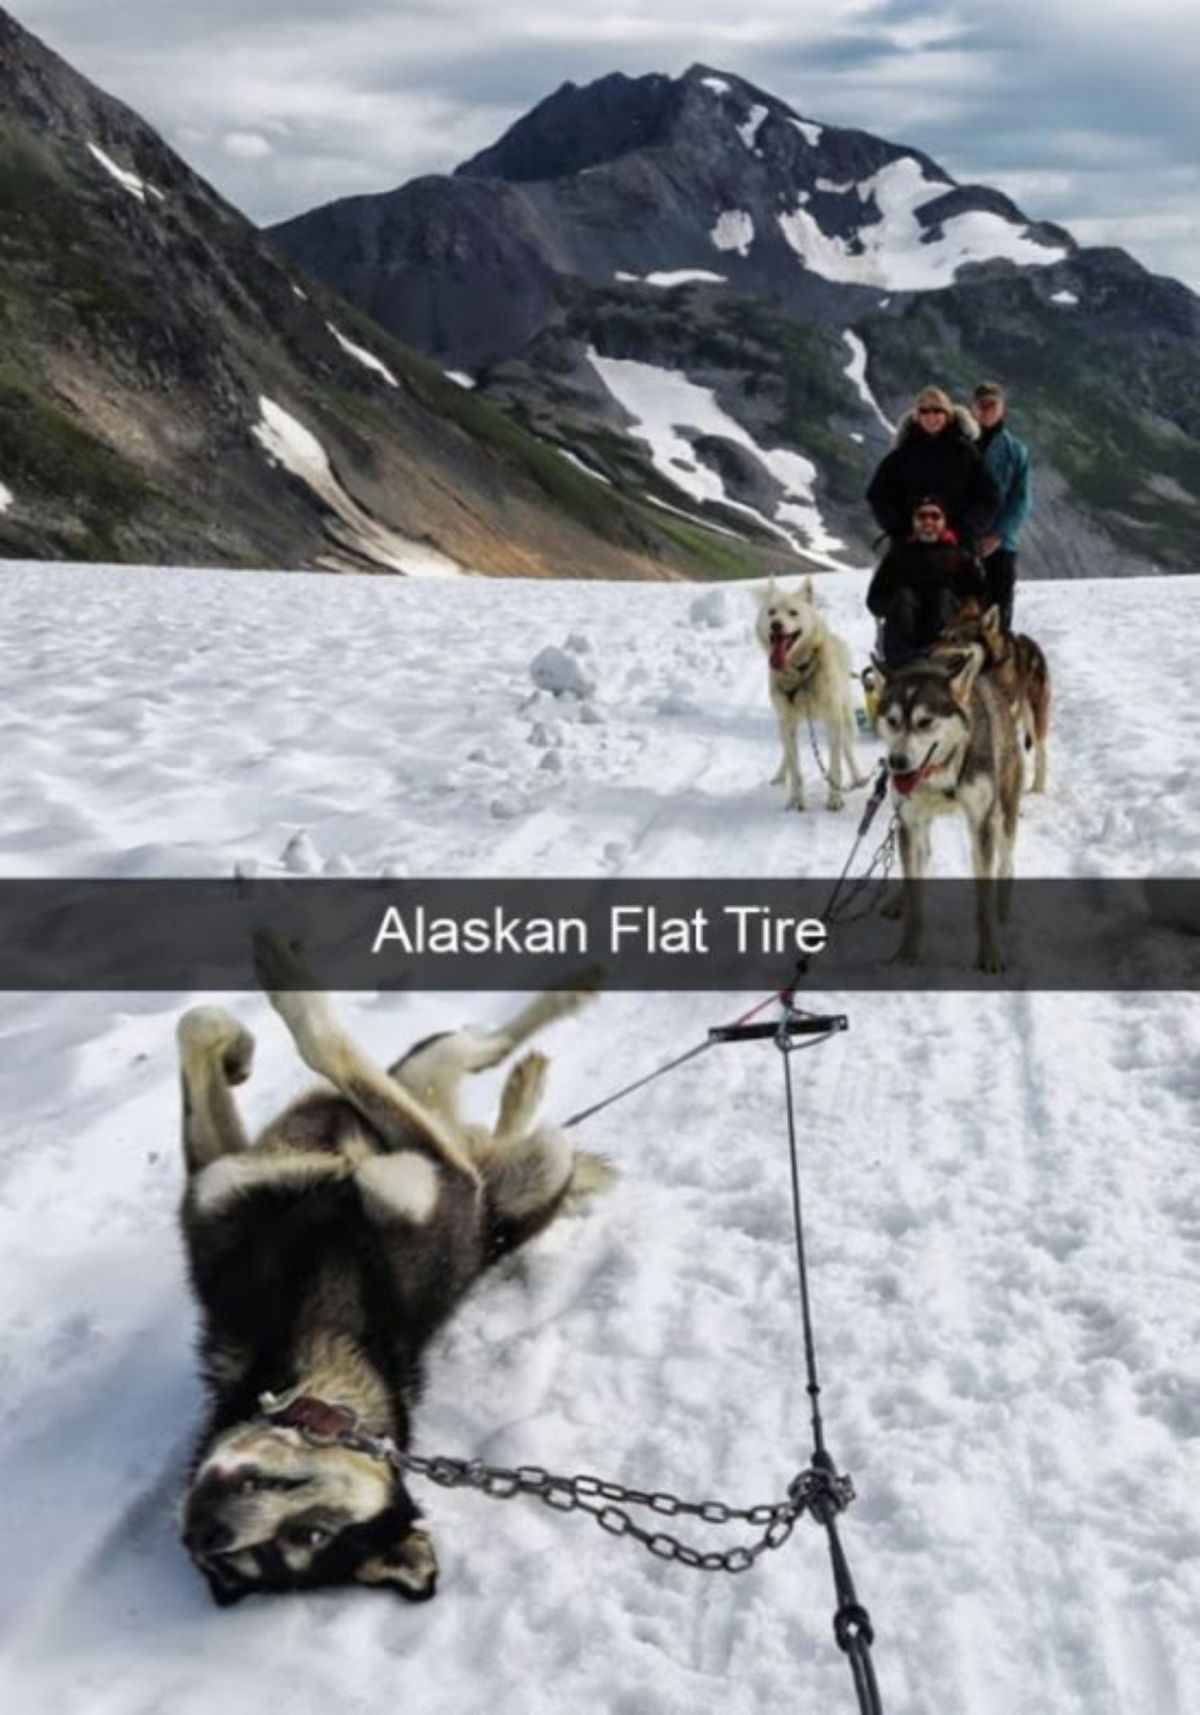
pixel 931 411
pixel 929 516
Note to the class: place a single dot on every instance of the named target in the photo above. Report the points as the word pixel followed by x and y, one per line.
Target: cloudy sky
pixel 1084 110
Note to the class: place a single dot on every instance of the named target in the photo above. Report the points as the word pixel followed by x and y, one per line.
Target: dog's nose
pixel 898 762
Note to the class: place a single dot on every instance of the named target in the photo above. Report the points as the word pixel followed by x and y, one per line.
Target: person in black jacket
pixel 935 453
pixel 922 583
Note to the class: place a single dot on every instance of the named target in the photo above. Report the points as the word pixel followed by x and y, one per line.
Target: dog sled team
pixel 952 690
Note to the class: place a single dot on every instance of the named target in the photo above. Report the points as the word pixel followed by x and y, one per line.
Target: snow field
pixel 1000 1190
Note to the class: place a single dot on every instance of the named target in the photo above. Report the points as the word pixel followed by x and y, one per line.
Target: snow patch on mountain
pixel 360 355
pixel 1063 298
pixel 832 189
pixel 128 181
pixel 287 442
pixel 574 458
pixel 663 403
pixel 7 497
pixel 716 84
pixel 811 133
pixel 734 231
pixel 895 252
pixel 748 131
pixel 856 369
pixel 461 378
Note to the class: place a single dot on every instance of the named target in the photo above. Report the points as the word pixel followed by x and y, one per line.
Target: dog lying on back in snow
pixel 952 748
pixel 325 1257
pixel 808 675
pixel 1016 664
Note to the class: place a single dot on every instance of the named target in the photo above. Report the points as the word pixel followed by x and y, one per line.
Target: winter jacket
pixel 946 467
pixel 920 566
pixel 1007 460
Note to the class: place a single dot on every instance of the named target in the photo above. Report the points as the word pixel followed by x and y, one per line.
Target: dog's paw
pixel 835 801
pixel 991 963
pixel 779 776
pixel 893 906
pixel 211 1033
pixel 795 801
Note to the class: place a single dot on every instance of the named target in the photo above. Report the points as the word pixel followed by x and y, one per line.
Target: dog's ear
pixel 991 620
pixel 806 588
pixel 409 1567
pixel 962 671
pixel 767 593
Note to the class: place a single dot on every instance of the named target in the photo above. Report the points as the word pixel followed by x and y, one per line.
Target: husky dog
pixel 325 1256
pixel 1017 665
pixel 952 748
pixel 809 680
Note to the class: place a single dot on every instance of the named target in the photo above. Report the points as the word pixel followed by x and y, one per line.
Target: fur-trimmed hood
pixel 964 422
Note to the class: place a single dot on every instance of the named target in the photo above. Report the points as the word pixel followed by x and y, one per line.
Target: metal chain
pixel 808 1491
pixel 883 860
pixel 853 786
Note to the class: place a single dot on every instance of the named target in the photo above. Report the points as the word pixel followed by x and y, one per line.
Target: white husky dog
pixel 809 679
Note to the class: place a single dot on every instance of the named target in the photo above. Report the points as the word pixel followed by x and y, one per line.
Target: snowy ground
pixel 1004 1207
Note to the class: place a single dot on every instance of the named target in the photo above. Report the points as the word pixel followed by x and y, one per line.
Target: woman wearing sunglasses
pixel 935 453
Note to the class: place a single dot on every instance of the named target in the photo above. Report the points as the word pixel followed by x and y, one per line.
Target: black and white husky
pixel 325 1256
pixel 952 749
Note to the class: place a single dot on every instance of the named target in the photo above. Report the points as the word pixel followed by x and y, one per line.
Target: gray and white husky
pixel 952 749
pixel 809 679
pixel 324 1257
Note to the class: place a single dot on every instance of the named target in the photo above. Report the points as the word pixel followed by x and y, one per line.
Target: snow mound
pixel 709 610
pixel 561 672
pixel 287 442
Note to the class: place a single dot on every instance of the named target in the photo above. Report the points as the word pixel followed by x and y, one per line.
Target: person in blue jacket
pixel 1007 461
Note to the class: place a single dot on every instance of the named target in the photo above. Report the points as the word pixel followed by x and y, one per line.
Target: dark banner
pixel 650 935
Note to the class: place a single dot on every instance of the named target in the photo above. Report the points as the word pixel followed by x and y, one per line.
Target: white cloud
pixel 246 145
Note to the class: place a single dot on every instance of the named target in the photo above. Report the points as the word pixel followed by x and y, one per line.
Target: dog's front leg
pixel 791 757
pixel 914 852
pixel 325 1046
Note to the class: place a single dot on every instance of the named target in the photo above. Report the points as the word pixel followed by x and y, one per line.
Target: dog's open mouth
pixel 781 642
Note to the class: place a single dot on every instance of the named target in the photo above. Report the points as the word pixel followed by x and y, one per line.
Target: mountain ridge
pixel 172 388
pixel 770 232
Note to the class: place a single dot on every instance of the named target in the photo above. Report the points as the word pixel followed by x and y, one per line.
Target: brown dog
pixel 1017 667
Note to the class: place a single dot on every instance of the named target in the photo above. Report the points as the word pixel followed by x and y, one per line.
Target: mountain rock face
pixel 172 389
pixel 723 305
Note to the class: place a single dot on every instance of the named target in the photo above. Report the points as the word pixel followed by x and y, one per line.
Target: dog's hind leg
pixel 215 1052
pixel 399 1117
pixel 984 844
pixel 530 1180
pixel 434 1069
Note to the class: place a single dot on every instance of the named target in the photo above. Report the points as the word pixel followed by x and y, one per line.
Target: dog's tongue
pixel 904 783
pixel 780 644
